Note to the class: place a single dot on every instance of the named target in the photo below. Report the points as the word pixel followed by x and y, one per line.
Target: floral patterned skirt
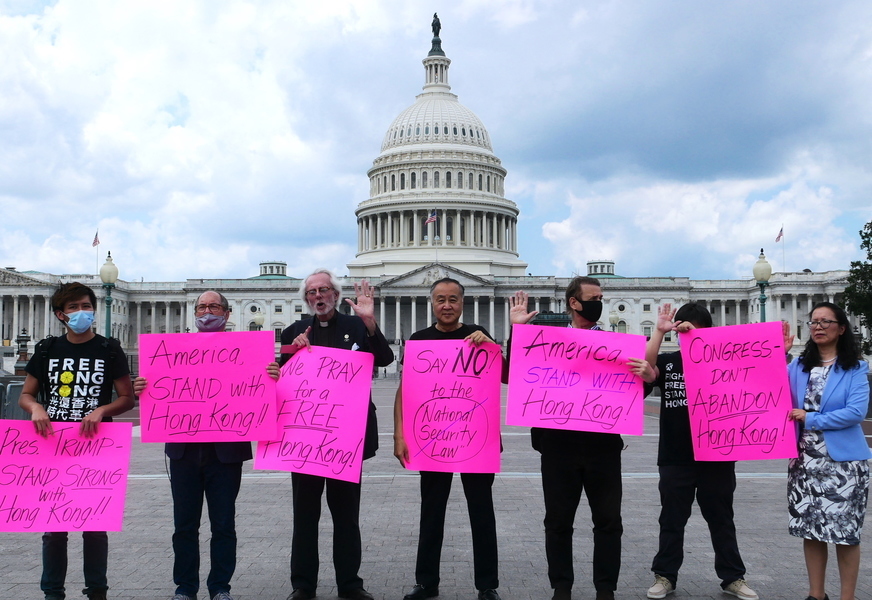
pixel 826 498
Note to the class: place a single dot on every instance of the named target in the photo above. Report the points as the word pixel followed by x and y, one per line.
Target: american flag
pixel 96 241
pixel 780 235
pixel 431 218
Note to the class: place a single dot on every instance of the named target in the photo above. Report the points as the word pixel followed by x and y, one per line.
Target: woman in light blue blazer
pixel 828 484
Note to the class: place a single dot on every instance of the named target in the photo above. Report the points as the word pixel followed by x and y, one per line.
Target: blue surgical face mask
pixel 208 323
pixel 80 321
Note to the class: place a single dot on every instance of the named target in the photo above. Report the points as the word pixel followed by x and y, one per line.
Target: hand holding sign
pixel 451 405
pixel 207 387
pixel 737 392
pixel 323 399
pixel 564 378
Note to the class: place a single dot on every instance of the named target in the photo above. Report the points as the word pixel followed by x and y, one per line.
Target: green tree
pixel 858 293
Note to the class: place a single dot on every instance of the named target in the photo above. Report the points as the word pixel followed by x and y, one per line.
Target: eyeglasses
pixel 321 290
pixel 825 324
pixel 212 308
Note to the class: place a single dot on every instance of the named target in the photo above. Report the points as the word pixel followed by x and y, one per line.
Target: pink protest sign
pixel 207 387
pixel 565 378
pixel 451 406
pixel 737 392
pixel 323 398
pixel 64 482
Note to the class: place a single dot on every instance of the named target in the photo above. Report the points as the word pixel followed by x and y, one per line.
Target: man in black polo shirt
pixel 447 298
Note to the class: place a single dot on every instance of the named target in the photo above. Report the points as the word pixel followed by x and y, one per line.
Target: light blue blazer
pixel 843 407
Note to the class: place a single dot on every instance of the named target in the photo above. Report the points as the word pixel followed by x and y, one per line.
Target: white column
pixel 475 309
pixel 444 226
pixel 506 324
pixel 429 309
pixel 491 320
pixel 414 327
pixel 397 329
pixel 379 237
pixel 381 302
pixel 30 319
pixel 391 236
pixel 3 317
pixel 15 328
pixel 416 228
pixel 167 323
pixel 537 303
pixel 153 306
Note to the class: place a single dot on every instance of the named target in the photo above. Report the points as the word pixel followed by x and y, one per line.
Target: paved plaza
pixel 140 557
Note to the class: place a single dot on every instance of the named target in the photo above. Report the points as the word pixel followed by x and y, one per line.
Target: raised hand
pixel 518 314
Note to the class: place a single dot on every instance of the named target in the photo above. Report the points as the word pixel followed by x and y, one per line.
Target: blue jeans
pixel 95 550
pixel 197 474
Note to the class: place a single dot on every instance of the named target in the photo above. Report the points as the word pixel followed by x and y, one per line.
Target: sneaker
pixel 662 587
pixel 183 597
pixel 740 590
pixel 222 596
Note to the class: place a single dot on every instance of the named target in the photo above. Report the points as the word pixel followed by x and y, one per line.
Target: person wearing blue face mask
pixel 80 355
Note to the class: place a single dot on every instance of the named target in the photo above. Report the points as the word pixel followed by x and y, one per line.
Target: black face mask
pixel 590 310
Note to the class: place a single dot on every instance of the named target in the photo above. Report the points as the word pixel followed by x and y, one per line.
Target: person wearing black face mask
pixel 212 470
pixel 576 461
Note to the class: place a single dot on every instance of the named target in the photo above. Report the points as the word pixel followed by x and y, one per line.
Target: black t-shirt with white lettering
pixel 675 438
pixel 74 379
pixel 431 333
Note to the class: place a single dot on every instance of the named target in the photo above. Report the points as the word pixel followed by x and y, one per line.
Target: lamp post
pixel 109 275
pixel 613 320
pixel 258 320
pixel 762 273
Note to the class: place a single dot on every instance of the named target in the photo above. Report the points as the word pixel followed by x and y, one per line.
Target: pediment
pixel 424 277
pixel 12 278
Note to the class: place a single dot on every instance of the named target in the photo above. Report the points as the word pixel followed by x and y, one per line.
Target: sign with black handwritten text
pixel 64 482
pixel 207 387
pixel 566 378
pixel 738 396
pixel 323 400
pixel 451 406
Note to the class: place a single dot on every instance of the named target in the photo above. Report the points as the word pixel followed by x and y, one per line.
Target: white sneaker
pixel 741 590
pixel 661 588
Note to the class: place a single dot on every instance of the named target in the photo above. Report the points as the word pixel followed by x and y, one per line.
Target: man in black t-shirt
pixel 70 378
pixel 681 476
pixel 447 298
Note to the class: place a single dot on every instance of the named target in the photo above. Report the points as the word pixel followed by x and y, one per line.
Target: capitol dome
pixel 437 191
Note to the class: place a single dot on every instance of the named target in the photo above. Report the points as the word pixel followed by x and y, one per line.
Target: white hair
pixel 334 282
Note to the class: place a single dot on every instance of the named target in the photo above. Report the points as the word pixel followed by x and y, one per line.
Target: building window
pixel 436 179
pixel 402 181
pixel 385 187
pixel 278 331
pixel 455 130
pixel 646 331
pixel 417 130
pixel 426 130
pixel 460 180
pixel 278 308
pixel 470 186
pixel 479 182
pixel 393 182
pixel 488 183
pixel 646 308
pixel 298 308
pixel 436 129
pixel 414 180
pixel 448 179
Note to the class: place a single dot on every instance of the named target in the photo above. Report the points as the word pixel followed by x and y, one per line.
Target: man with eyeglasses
pixel 321 291
pixel 212 470
pixel 573 461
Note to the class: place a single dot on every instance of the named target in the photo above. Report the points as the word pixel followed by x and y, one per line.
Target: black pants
pixel 343 499
pixel 477 487
pixel 95 551
pixel 564 476
pixel 713 484
pixel 196 475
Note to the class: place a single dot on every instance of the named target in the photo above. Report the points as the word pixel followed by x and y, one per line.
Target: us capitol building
pixel 437 208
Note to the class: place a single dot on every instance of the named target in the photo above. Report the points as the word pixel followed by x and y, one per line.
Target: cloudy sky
pixel 204 136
